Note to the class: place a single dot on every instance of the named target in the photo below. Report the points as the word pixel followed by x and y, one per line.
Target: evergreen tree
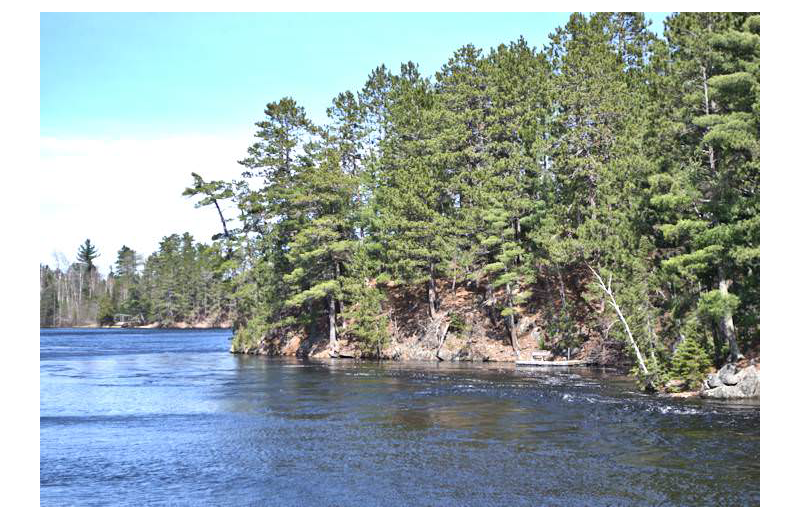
pixel 511 195
pixel 126 296
pixel 87 253
pixel 367 324
pixel 600 165
pixel 321 248
pixel 709 191
pixel 412 196
pixel 212 192
pixel 691 360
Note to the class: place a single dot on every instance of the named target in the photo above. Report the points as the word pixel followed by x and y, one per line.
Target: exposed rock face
pixel 465 328
pixel 732 382
pixel 424 348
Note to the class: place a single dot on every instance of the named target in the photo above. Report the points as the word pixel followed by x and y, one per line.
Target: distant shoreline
pixel 149 326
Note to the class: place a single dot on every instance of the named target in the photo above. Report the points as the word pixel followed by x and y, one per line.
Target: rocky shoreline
pixel 426 346
pixel 732 381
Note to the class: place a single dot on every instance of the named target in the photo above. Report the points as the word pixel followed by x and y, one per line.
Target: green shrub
pixel 457 323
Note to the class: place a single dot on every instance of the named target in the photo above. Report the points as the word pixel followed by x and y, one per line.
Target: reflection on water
pixel 170 418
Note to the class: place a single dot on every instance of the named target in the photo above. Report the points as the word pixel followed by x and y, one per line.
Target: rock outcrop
pixel 733 382
pixel 467 327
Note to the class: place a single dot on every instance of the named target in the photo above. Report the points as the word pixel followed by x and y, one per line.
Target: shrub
pixel 457 323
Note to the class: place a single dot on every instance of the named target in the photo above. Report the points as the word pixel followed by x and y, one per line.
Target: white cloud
pixel 128 191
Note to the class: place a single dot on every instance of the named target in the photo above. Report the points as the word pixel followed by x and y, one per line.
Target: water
pixel 149 417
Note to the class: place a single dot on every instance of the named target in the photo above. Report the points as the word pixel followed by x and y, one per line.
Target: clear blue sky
pixel 132 103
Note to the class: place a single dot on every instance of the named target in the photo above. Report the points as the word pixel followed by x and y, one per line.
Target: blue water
pixel 153 417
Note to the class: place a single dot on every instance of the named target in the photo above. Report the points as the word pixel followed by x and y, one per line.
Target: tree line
pixel 178 283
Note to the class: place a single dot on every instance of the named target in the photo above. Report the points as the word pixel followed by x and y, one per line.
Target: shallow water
pixel 151 417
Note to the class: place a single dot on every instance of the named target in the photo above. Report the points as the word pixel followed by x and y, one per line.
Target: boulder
pixel 750 381
pixel 536 336
pixel 525 323
pixel 291 347
pixel 727 374
pixel 733 383
pixel 713 380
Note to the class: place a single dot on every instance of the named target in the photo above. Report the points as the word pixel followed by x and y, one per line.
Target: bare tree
pixel 606 287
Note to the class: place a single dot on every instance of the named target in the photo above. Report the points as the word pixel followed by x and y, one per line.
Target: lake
pixel 170 418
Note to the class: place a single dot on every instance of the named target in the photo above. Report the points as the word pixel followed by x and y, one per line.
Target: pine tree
pixel 600 166
pixel 270 217
pixel 710 191
pixel 323 245
pixel 87 253
pixel 458 155
pixel 691 360
pixel 412 196
pixel 367 324
pixel 212 192
pixel 126 281
pixel 510 197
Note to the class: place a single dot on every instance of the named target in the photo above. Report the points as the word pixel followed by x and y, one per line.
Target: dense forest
pixel 607 184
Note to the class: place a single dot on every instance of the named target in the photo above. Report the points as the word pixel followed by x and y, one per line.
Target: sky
pixel 132 103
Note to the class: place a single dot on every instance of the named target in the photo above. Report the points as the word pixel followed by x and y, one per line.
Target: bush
pixel 105 312
pixel 457 323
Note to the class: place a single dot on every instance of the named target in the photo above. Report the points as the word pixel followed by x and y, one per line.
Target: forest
pixel 607 184
pixel 175 285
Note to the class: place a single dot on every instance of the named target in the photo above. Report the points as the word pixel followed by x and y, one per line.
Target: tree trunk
pixel 607 289
pixel 489 300
pixel 511 323
pixel 431 291
pixel 222 219
pixel 726 322
pixel 58 301
pixel 563 290
pixel 563 310
pixel 339 306
pixel 442 338
pixel 707 106
pixel 332 345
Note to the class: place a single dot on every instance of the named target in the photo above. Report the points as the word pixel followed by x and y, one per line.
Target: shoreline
pixel 149 326
pixel 622 369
